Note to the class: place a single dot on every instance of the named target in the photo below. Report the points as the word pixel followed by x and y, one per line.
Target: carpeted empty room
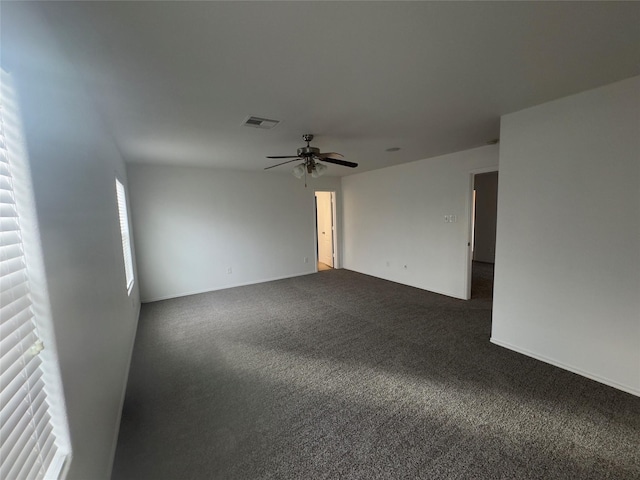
pixel 340 375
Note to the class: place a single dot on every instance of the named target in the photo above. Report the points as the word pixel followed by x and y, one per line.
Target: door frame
pixel 470 213
pixel 334 225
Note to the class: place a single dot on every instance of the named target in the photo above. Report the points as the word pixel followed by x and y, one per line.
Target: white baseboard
pixel 564 366
pixel 223 287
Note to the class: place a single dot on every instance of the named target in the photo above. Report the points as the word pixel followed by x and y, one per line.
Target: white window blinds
pixel 29 448
pixel 124 230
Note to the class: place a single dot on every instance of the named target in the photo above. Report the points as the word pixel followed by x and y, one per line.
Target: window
pixel 33 430
pixel 126 238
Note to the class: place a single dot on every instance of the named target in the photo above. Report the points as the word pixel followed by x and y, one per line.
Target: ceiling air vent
pixel 258 122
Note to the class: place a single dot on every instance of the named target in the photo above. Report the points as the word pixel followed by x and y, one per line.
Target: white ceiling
pixel 175 80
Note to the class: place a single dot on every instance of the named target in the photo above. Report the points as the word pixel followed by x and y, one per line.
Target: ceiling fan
pixel 310 157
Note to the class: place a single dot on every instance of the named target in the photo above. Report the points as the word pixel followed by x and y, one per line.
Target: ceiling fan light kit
pixel 319 170
pixel 298 171
pixel 310 157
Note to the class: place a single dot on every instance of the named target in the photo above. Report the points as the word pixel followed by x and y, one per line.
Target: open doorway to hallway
pixel 483 233
pixel 325 230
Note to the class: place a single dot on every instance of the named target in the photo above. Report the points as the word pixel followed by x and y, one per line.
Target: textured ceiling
pixel 175 80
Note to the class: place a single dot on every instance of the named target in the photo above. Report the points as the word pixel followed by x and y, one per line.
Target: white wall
pixel 73 162
pixel 192 224
pixel 395 217
pixel 567 278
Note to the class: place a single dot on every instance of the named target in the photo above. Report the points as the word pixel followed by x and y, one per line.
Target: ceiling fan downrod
pixel 308 152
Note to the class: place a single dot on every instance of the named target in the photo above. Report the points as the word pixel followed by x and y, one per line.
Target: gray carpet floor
pixel 338 375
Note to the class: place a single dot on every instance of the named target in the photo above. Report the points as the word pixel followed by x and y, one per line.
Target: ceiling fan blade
pixel 278 164
pixel 331 155
pixel 344 163
pixel 285 156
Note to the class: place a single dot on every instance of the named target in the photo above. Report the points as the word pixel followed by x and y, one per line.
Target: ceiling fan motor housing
pixel 308 152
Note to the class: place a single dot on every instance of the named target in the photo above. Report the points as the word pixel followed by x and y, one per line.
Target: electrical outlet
pixel 306 259
pixel 229 270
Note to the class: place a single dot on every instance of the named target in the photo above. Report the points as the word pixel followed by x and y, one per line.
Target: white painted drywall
pixel 567 278
pixel 395 217
pixel 74 162
pixel 486 187
pixel 192 224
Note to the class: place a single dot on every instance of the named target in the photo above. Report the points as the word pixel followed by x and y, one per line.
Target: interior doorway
pixel 482 244
pixel 326 230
